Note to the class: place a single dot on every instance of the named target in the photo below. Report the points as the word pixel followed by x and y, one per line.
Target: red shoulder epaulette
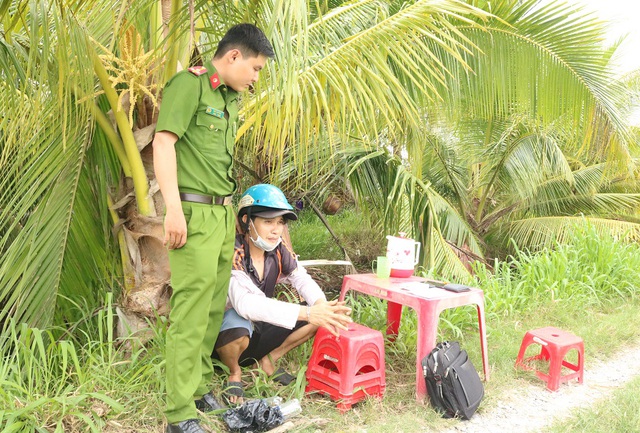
pixel 197 70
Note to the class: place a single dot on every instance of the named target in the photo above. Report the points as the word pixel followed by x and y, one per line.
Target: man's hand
pixel 333 315
pixel 164 163
pixel 175 229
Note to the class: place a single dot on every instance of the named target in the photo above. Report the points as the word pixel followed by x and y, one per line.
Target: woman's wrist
pixel 308 313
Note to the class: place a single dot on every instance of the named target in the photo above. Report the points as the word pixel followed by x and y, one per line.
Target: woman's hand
pixel 332 315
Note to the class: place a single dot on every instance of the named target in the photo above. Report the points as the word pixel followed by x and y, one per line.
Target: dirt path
pixel 531 408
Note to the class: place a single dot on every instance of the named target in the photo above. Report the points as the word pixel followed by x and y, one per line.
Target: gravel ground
pixel 531 408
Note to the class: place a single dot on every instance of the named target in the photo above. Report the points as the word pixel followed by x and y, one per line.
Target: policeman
pixel 192 151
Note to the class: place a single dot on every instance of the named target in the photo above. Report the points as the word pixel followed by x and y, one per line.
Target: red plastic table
pixel 428 304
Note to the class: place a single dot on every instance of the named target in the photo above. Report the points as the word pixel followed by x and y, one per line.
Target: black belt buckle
pixel 205 199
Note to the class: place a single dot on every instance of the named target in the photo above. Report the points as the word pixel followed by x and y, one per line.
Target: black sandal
pixel 232 389
pixel 208 403
pixel 282 377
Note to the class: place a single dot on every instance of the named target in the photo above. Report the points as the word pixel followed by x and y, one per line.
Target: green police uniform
pixel 203 112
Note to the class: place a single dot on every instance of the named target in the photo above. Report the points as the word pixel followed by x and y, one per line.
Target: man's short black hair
pixel 247 38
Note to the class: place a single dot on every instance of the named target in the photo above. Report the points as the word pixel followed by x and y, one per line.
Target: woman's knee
pixel 233 349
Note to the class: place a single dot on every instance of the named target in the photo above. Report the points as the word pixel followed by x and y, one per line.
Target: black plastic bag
pixel 253 416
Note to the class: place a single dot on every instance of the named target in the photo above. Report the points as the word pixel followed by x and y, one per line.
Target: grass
pixel 362 241
pixel 54 381
pixel 399 412
pixel 618 413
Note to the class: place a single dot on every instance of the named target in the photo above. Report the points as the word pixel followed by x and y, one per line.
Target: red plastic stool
pixel 348 368
pixel 555 343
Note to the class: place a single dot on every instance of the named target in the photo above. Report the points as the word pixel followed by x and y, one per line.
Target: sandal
pixel 232 389
pixel 282 377
pixel 208 403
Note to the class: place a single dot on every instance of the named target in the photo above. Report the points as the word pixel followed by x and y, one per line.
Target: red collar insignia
pixel 215 81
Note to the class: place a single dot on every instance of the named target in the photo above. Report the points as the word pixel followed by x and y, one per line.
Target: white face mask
pixel 261 243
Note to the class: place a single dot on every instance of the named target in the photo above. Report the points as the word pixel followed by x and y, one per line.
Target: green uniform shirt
pixel 203 112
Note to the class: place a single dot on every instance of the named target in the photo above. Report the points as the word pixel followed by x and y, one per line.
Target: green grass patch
pixel 86 380
pixel 53 381
pixel 312 240
pixel 618 413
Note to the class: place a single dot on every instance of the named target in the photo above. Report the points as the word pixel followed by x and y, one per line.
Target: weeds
pixel 57 381
pixel 75 384
pixel 363 243
pixel 592 270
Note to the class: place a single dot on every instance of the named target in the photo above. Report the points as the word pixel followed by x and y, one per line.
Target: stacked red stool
pixel 347 368
pixel 555 344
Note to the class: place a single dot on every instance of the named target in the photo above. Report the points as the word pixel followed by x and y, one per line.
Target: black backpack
pixel 453 383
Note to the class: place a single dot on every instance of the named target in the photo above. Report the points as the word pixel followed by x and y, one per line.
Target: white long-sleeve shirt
pixel 253 299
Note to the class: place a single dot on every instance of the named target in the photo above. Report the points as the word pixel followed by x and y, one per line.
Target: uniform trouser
pixel 200 273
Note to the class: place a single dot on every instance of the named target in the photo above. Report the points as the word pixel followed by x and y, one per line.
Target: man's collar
pixel 214 77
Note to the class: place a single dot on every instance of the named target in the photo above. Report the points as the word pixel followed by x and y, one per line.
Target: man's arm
pixel 166 170
pixel 304 284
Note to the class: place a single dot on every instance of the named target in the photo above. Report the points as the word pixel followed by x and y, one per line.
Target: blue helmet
pixel 265 201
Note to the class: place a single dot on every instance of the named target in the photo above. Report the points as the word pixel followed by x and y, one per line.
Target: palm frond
pixel 45 135
pixel 357 87
pixel 91 265
pixel 445 167
pixel 407 204
pixel 531 160
pixel 549 62
pixel 588 190
pixel 538 233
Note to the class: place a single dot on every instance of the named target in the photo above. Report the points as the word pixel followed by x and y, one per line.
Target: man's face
pixel 243 71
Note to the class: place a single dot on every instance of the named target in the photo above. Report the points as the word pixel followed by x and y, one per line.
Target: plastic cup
pixel 290 409
pixel 382 268
pixel 273 401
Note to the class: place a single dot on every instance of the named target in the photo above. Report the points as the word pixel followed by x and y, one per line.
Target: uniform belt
pixel 205 199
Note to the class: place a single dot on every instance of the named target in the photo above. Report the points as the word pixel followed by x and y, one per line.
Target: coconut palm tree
pixel 67 169
pixel 506 183
pixel 533 81
pixel 74 62
pixel 371 74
